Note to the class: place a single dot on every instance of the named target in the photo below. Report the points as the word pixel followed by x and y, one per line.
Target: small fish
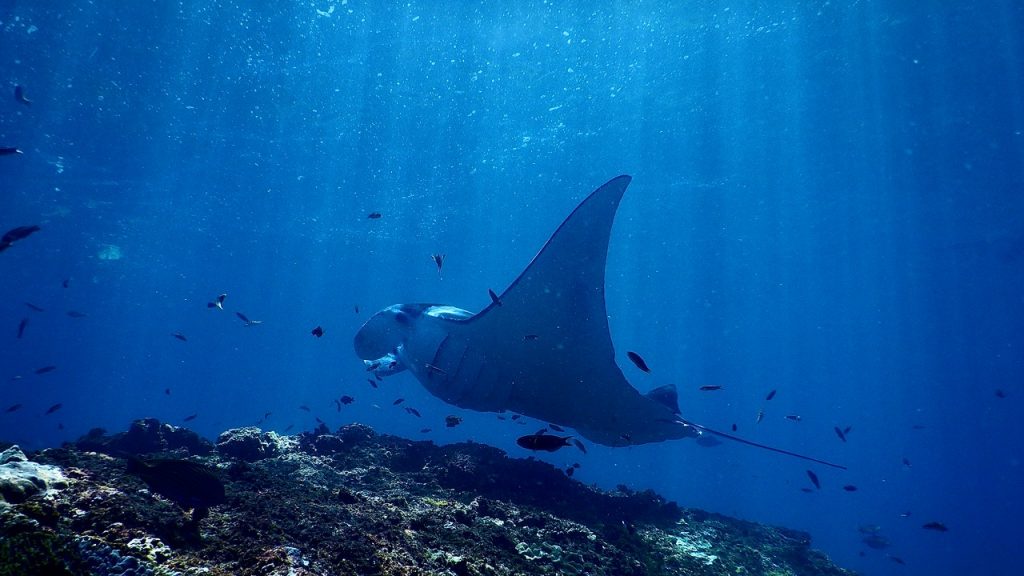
pixel 318 420
pixel 636 359
pixel 245 319
pixel 318 332
pixel 494 297
pixel 937 526
pixel 545 442
pixel 190 417
pixel 346 400
pixel 569 471
pixel 439 261
pixel 45 369
pixel 794 417
pixel 424 430
pixel 575 464
pixel 760 416
pixel 806 490
pixel 374 215
pixel 530 337
pixel 452 421
pixel 734 427
pixel 54 408
pixel 13 408
pixel 372 382
pixel 847 429
pixel 355 308
pixel 850 488
pixel 290 426
pixel 167 391
pixel 500 417
pixel 626 437
pixel 66 283
pixel 15 234
pixel 905 514
pixel 842 436
pixel 413 411
pixel 77 314
pixel 1000 394
pixel 337 405
pixel 895 559
pixel 556 427
pixel 34 308
pixel 218 302
pixel 7 151
pixel 398 401
pixel 580 446
pixel 516 416
pixel 906 462
pixel 371 366
pixel 19 95
pixel 709 388
pixel 770 395
pixel 304 408
pixel 814 479
pixel 180 336
pixel 21 327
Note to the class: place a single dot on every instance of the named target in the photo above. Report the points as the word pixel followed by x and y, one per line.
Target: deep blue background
pixel 827 202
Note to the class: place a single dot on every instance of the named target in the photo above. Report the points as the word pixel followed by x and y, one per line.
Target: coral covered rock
pixel 21 479
pixel 354 502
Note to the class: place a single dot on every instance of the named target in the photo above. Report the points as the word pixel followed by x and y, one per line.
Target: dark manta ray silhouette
pixel 542 349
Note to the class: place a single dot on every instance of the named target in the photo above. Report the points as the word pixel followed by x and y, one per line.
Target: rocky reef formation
pixel 354 502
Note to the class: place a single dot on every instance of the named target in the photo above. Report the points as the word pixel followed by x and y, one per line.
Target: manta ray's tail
pixel 756 445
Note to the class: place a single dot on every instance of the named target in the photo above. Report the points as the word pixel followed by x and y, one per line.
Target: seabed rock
pixel 355 502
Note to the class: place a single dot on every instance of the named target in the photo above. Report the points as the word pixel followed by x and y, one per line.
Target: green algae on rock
pixel 354 502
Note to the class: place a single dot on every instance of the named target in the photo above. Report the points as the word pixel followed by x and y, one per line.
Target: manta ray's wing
pixel 543 348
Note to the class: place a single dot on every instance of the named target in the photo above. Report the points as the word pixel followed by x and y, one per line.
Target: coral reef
pixel 354 502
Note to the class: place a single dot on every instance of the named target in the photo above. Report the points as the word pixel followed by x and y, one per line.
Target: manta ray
pixel 542 348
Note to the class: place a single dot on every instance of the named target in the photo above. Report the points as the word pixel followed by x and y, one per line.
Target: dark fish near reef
pixel 346 400
pixel 709 388
pixel 167 391
pixel 8 151
pixel 638 361
pixel 840 433
pixel 15 234
pixel 770 395
pixel 19 95
pixel 54 408
pixel 937 526
pixel 398 401
pixel 190 417
pixel 850 488
pixel 66 283
pixel 180 336
pixel 439 261
pixel 374 215
pixel 1000 394
pixel 530 337
pixel 556 427
pixel 545 442
pixel 424 430
pixel 318 332
pixel 248 322
pixel 580 446
pixel 452 421
pixel 875 541
pixel 21 327
pixel 304 408
pixel 218 302
pixel 34 308
pixel 794 417
pixel 895 559
pixel 76 314
pixel 289 427
pixel 372 382
pixel 760 416
pixel 814 479
pixel 186 483
pixel 13 408
pixel 733 427
pixel 45 369
pixel 494 297
pixel 413 411
pixel 906 462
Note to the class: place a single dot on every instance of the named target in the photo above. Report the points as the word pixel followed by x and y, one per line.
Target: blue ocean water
pixel 827 202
